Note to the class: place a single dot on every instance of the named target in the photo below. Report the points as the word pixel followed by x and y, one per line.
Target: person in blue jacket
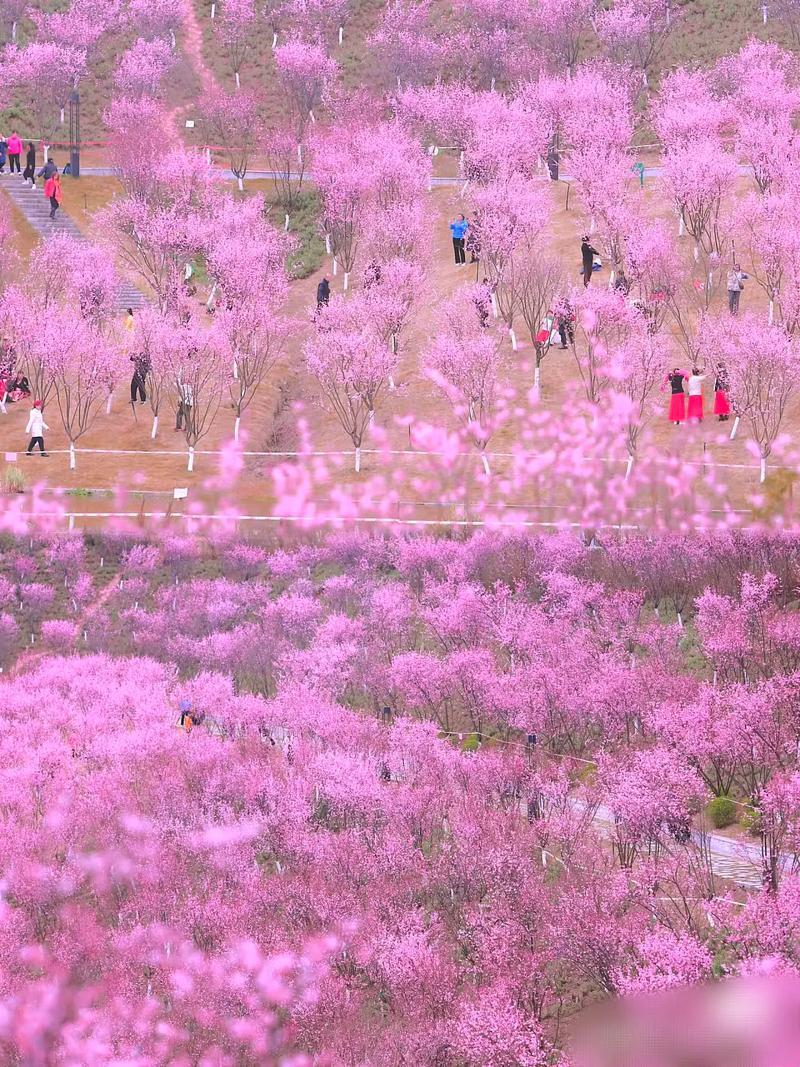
pixel 458 230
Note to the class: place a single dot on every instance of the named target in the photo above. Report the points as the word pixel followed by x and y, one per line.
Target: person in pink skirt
pixel 722 404
pixel 677 402
pixel 695 410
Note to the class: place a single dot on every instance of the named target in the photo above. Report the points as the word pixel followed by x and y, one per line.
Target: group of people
pixel 11 153
pixel 681 411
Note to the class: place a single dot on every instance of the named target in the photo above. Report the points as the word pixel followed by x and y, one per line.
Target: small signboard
pixel 179 494
pixel 190 124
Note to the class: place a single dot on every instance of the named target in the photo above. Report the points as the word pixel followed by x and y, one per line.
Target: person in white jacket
pixel 36 427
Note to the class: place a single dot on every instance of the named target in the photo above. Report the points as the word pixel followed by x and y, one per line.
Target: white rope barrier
pixel 418 452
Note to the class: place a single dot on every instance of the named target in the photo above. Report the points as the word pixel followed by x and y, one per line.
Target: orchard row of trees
pixel 305 873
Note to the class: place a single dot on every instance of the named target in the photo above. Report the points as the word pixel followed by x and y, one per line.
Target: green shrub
pixel 750 820
pixel 722 811
pixel 309 252
pixel 14 480
pixel 470 744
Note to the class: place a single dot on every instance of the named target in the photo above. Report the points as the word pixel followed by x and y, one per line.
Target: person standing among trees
pixel 323 293
pixel 736 280
pixel 459 228
pixel 695 409
pixel 565 320
pixel 52 190
pixel 36 427
pixel 29 174
pixel 129 322
pixel 48 170
pixel 722 405
pixel 14 152
pixel 677 403
pixel 141 368
pixel 588 252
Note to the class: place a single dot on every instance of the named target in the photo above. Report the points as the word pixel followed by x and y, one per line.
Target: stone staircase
pixel 36 209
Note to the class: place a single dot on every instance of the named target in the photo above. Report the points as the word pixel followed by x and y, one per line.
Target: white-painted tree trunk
pixel 238 80
pixel 612 278
pixel 393 344
pixel 487 469
pixel 327 244
pixel 513 337
pixel 398 83
pixel 213 11
pixel 696 253
pixel 537 379
pixel 346 280
pixel 629 468
pixel 72 522
pixel 764 14
pixel 72 463
pixel 680 620
pixel 771 312
pixel 62 116
pixel 172 40
pixel 645 82
pixel 335 267
pixel 311 116
pixel 735 428
pixel 491 87
pixel 236 428
pixel 274 38
pixel 714 679
pixel 391 383
pixel 190 465
pixel 46 152
pixel 286 223
pixel 235 371
pixel 460 161
pixel 154 431
pixel 14 31
pixel 240 182
pixel 208 156
pixel 108 404
pixel 341 34
pixel 763 475
pixel 494 306
pixel 358 461
pixel 681 226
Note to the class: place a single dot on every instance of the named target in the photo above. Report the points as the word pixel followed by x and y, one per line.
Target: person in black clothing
pixel 141 368
pixel 587 256
pixel 566 324
pixel 48 170
pixel 29 174
pixel 323 293
pixel 677 402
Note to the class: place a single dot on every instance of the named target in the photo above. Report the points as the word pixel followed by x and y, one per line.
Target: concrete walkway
pixel 35 207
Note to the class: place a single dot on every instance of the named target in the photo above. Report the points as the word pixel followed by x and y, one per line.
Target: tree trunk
pixel 108 404
pixel 274 38
pixel 190 465
pixel 513 337
pixel 62 116
pixel 154 431
pixel 72 463
pixel 537 378
pixel 14 31
pixel 485 463
pixel 735 428
pixel 335 267
pixel 346 279
pixel 358 460
pixel 236 427
pixel 763 476
pixel 629 468
pixel 238 82
pixel 327 244
pixel 286 223
pixel 311 116
pixel 341 34
pixel 494 306
pixel 240 182
pixel 771 312
pixel 681 226
pixel 213 11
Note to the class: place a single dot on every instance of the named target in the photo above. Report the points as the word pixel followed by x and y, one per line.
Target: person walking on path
pixel 129 322
pixel 587 259
pixel 323 293
pixel 36 427
pixel 694 412
pixel 14 152
pixel 677 402
pixel 459 228
pixel 52 190
pixel 29 174
pixel 48 170
pixel 565 320
pixel 3 153
pixel 736 280
pixel 722 404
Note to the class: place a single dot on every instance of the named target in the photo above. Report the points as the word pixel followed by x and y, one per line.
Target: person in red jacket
pixel 52 190
pixel 14 152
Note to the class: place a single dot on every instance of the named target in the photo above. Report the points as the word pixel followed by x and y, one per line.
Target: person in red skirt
pixel 677 402
pixel 695 408
pixel 722 405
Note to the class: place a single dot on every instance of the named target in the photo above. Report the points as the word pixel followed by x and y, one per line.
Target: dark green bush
pixel 722 811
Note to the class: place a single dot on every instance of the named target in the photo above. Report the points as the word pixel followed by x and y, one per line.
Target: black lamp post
pixel 75 134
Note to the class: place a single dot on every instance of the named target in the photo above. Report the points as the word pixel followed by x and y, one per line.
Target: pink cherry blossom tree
pixel 563 24
pixel 233 123
pixel 635 31
pixel 352 368
pixel 410 53
pixel 306 71
pixel 234 28
pixel 143 68
pixel 44 74
pixel 83 369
